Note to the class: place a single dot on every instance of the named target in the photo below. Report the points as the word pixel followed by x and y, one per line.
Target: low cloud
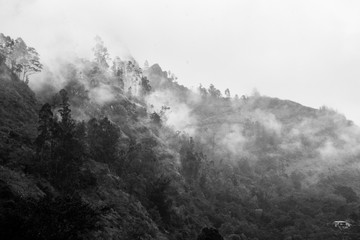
pixel 179 115
pixel 102 94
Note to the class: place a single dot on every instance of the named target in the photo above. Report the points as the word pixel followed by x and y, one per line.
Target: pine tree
pixel 69 150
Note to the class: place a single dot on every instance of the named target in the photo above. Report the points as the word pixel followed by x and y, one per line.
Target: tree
pixel 101 53
pixel 46 126
pixel 157 195
pixel 145 86
pixel 156 119
pixel 244 98
pixel 117 67
pixel 203 92
pixel 69 151
pixel 133 67
pixel 31 64
pixel 65 128
pixel 18 56
pixel 146 65
pixel 6 47
pixel 21 59
pixel 60 146
pixel 227 93
pixel 103 139
pixel 67 123
pixel 190 160
pixel 214 92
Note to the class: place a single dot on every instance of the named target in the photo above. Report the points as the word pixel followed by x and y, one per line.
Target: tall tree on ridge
pixel 21 59
pixel 227 93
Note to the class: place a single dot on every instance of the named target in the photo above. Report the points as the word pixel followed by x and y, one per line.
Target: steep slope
pixel 28 198
pixel 18 117
pixel 18 103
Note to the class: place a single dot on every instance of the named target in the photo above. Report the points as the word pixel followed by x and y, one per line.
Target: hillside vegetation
pixel 101 149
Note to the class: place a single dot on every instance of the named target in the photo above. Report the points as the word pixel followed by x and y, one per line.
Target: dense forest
pixel 107 149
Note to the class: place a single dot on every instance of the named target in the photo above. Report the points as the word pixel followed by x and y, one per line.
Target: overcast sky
pixel 305 51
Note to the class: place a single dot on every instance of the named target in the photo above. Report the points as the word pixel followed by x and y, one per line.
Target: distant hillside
pixel 260 128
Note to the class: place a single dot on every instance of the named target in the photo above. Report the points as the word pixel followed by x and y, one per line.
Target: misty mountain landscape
pixel 106 148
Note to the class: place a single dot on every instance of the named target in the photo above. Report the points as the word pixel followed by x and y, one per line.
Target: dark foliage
pixel 210 234
pixel 50 218
pixel 102 140
pixel 346 192
pixel 190 160
pixel 60 146
pixel 158 198
pixel 156 119
pixel 145 86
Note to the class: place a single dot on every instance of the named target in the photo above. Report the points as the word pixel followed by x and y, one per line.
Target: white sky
pixel 305 51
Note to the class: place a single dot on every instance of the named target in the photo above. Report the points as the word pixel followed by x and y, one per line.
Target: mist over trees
pixel 109 150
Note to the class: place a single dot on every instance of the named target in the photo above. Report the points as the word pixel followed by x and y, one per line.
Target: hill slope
pixel 128 153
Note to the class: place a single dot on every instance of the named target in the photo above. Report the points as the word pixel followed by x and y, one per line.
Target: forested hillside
pixel 108 149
